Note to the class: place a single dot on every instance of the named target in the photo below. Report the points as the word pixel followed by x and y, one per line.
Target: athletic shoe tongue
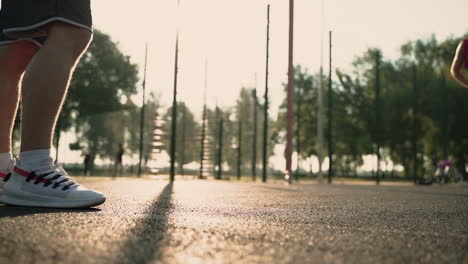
pixel 43 170
pixel 51 166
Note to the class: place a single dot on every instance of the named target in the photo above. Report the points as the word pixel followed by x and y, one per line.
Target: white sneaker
pixel 5 175
pixel 47 187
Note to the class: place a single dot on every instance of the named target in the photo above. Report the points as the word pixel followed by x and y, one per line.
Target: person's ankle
pixel 34 159
pixel 5 160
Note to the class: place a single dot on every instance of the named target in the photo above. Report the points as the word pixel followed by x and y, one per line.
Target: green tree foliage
pixel 244 112
pixel 229 133
pixel 187 136
pixel 98 106
pixel 424 113
pixel 352 118
pixel 443 114
pixel 150 125
pixel 305 113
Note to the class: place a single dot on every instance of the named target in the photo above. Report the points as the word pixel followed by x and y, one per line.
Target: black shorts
pixel 29 19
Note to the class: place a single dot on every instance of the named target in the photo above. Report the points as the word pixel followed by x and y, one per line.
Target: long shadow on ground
pixel 144 242
pixel 16 211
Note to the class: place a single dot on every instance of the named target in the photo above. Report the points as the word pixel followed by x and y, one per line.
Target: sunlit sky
pixel 230 34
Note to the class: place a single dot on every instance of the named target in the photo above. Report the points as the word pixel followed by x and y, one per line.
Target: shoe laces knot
pixel 55 175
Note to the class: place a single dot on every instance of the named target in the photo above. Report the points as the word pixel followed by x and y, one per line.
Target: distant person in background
pixel 460 62
pixel 87 164
pixel 41 41
pixel 118 161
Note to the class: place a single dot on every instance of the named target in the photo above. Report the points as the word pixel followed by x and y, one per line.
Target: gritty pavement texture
pixel 152 221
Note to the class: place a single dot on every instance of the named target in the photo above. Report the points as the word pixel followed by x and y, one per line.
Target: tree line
pixel 410 107
pixel 418 115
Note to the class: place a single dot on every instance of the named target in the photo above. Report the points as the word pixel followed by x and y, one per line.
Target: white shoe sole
pixel 51 202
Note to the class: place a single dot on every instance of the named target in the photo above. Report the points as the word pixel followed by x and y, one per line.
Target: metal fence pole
pixel 239 151
pixel 220 148
pixel 265 116
pixel 290 94
pixel 142 117
pixel 254 145
pixel 174 113
pixel 330 114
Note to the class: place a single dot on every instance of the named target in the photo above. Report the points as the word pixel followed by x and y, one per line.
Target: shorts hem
pixel 40 24
pixel 7 42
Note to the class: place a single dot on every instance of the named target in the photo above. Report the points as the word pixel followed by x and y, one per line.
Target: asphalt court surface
pixel 153 221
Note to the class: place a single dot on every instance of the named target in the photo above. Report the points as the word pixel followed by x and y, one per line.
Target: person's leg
pixel 46 81
pixel 14 58
pixel 36 180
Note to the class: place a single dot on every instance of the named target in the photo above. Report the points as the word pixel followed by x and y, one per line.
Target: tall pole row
pixel 298 127
pixel 415 124
pixel 290 94
pixel 174 107
pixel 182 148
pixel 220 147
pixel 320 102
pixel 216 140
pixel 174 113
pixel 330 114
pixel 265 116
pixel 142 117
pixel 203 132
pixel 239 151
pixel 377 113
pixel 254 145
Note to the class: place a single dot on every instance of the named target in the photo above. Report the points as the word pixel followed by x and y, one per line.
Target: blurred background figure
pixel 447 173
pixel 87 164
pixel 460 61
pixel 118 161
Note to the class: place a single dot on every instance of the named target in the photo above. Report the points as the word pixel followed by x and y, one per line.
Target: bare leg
pixel 46 81
pixel 43 89
pixel 14 58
